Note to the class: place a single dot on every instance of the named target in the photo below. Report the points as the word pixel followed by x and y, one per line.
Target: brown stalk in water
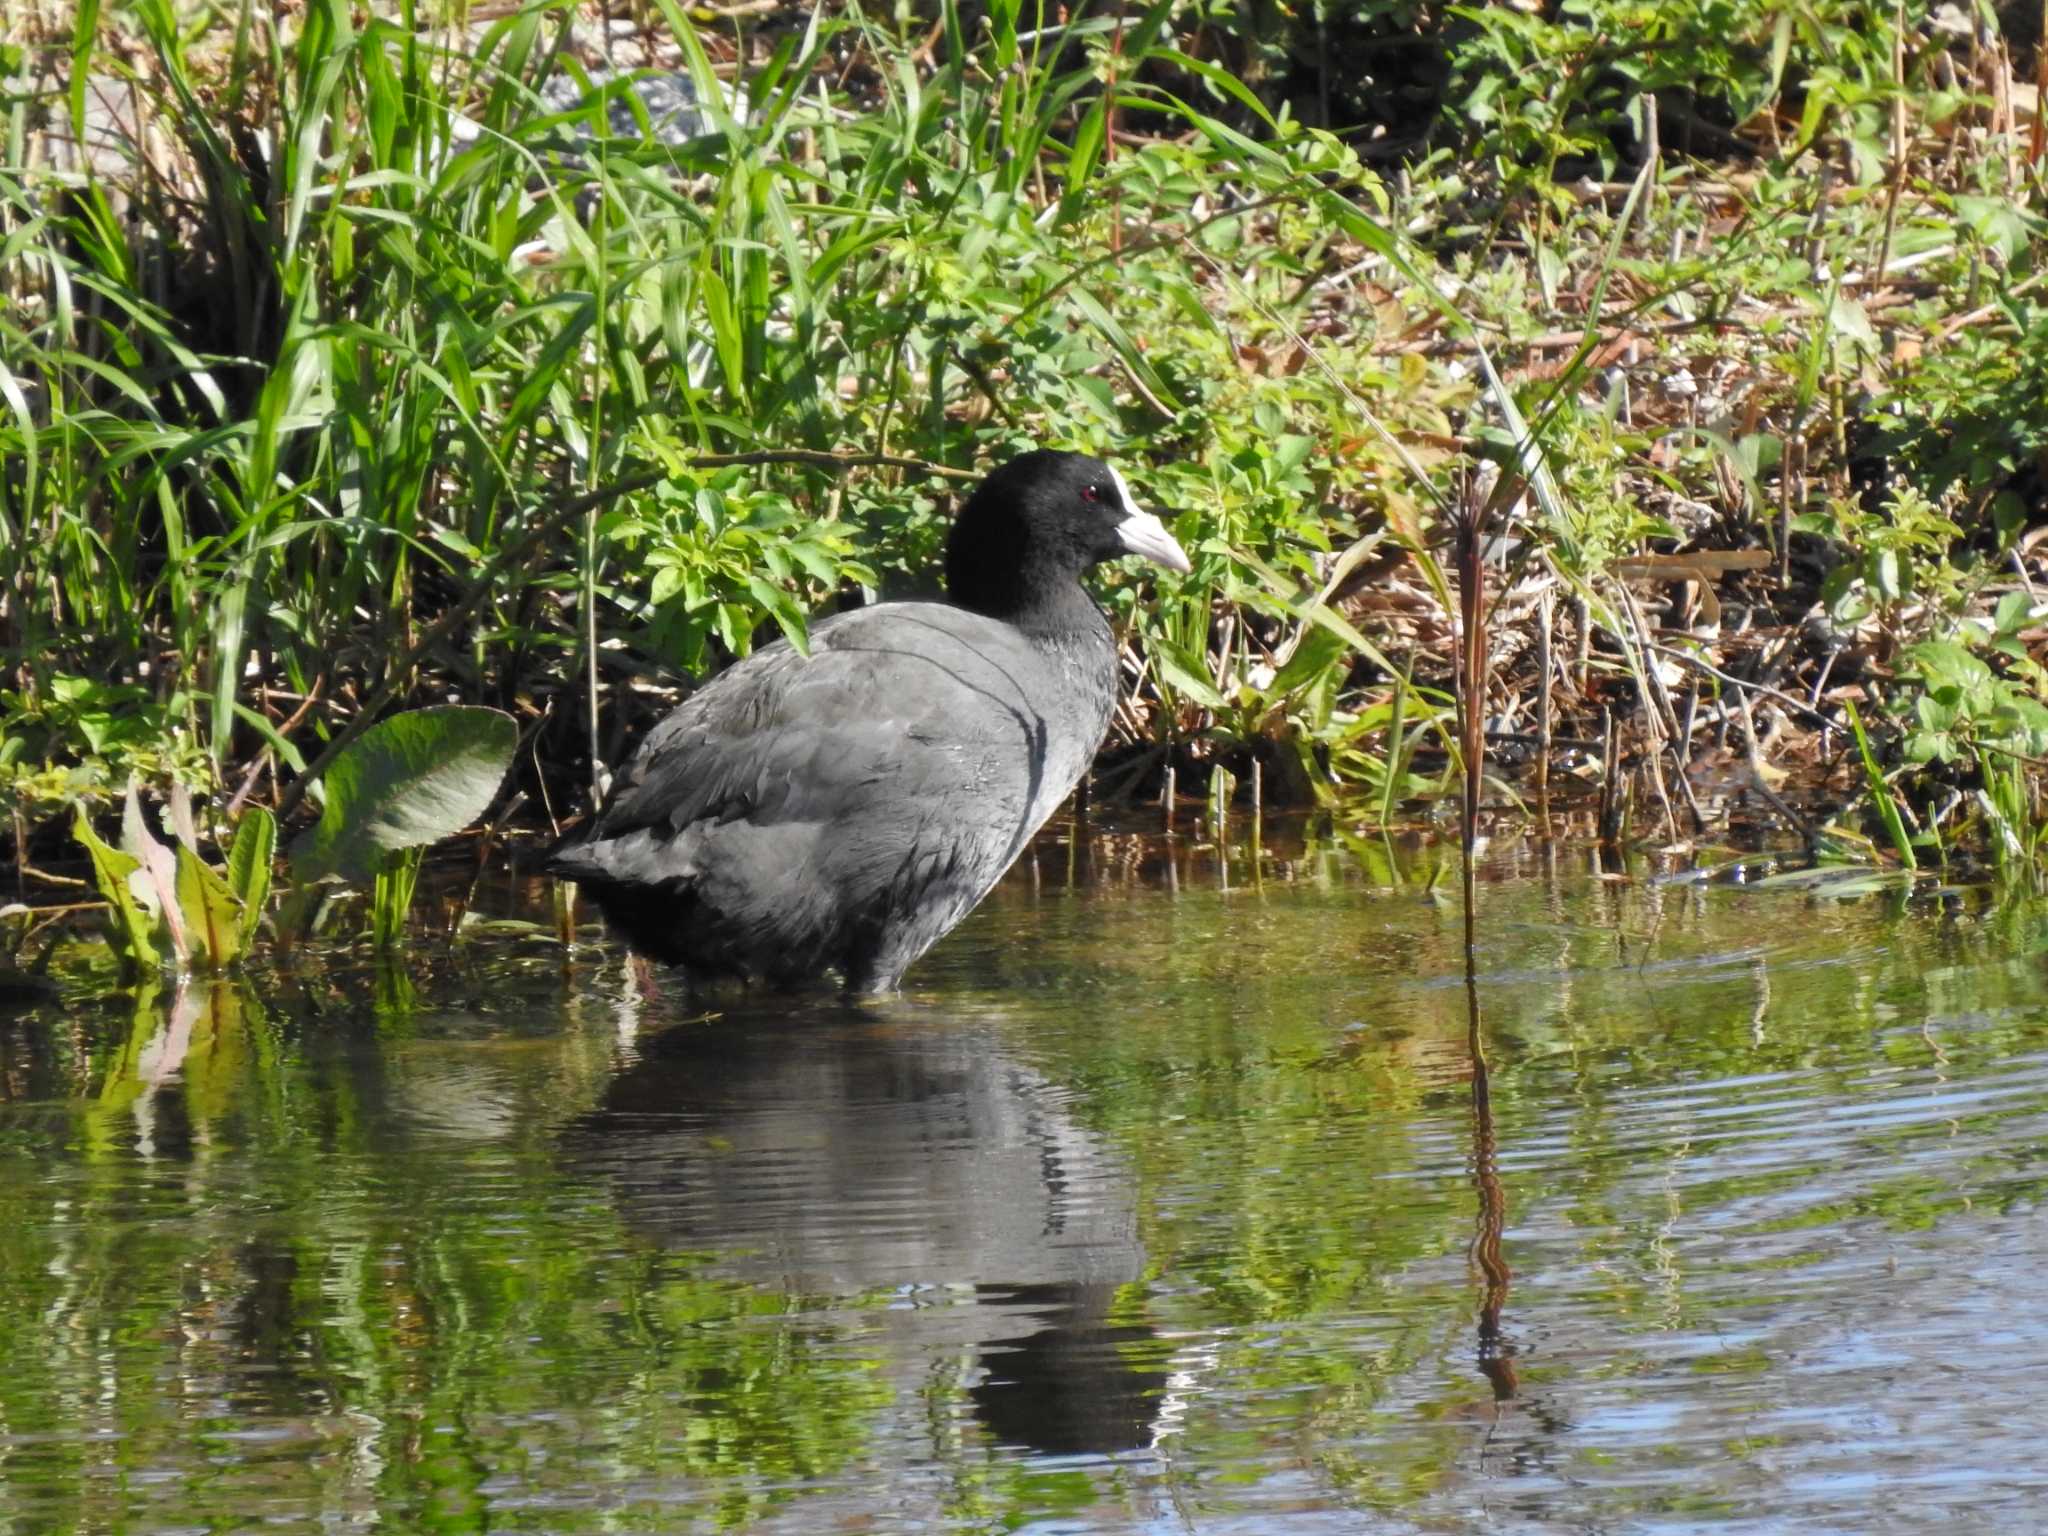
pixel 1473 518
pixel 1469 526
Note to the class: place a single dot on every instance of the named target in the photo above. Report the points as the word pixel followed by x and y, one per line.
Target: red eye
pixel 1091 493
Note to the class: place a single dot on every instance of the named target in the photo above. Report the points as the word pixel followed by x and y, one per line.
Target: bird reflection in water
pixel 838 1153
pixel 1082 1382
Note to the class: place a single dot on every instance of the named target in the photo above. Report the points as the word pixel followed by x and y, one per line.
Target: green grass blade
pixel 1881 792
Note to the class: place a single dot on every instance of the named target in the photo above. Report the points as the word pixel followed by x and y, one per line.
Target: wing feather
pixel 842 809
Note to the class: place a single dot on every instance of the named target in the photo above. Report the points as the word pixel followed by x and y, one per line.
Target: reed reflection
pixel 1496 1354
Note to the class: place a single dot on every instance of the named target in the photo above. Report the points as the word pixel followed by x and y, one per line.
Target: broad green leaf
pixel 249 867
pixel 131 930
pixel 213 917
pixel 1852 322
pixel 1185 673
pixel 1996 221
pixel 783 609
pixel 1944 664
pixel 407 781
pixel 155 880
pixel 1927 746
pixel 1933 713
pixel 1315 653
pixel 1290 452
pixel 2015 611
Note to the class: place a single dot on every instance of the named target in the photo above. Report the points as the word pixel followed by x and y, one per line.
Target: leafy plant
pixel 1965 707
pixel 720 553
pixel 64 736
pixel 407 782
pixel 251 479
pixel 1989 719
pixel 1968 420
pixel 298 367
pixel 1897 553
pixel 167 906
pixel 1554 86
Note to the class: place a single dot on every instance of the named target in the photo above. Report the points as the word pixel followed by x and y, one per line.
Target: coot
pixel 843 811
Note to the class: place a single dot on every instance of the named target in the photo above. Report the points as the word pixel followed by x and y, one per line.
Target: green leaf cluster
pixel 166 905
pixel 405 783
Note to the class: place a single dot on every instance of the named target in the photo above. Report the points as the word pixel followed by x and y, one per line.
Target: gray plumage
pixel 844 811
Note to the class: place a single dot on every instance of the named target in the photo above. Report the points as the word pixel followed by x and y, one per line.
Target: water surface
pixel 1153 1207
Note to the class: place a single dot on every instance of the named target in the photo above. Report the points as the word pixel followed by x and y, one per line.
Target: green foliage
pixel 1965 708
pixel 214 917
pixel 1979 705
pixel 248 868
pixel 130 931
pixel 1898 552
pixel 1969 418
pixel 309 371
pixel 166 905
pixel 1550 86
pixel 1881 793
pixel 406 782
pixel 64 736
pixel 392 885
pixel 722 551
pixel 270 489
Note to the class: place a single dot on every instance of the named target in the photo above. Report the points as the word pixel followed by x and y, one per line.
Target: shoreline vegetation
pixel 547 360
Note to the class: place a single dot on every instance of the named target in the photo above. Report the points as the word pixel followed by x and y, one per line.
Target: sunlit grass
pixel 302 360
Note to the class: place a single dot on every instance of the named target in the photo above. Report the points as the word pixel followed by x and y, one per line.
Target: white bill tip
pixel 1143 534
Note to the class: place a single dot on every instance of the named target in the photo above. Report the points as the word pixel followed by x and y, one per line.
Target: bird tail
pixel 573 857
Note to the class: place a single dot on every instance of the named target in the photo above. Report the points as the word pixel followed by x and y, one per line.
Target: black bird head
pixel 1034 525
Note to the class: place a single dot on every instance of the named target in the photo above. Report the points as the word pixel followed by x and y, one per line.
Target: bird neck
pixel 995 567
pixel 1068 610
pixel 1041 608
